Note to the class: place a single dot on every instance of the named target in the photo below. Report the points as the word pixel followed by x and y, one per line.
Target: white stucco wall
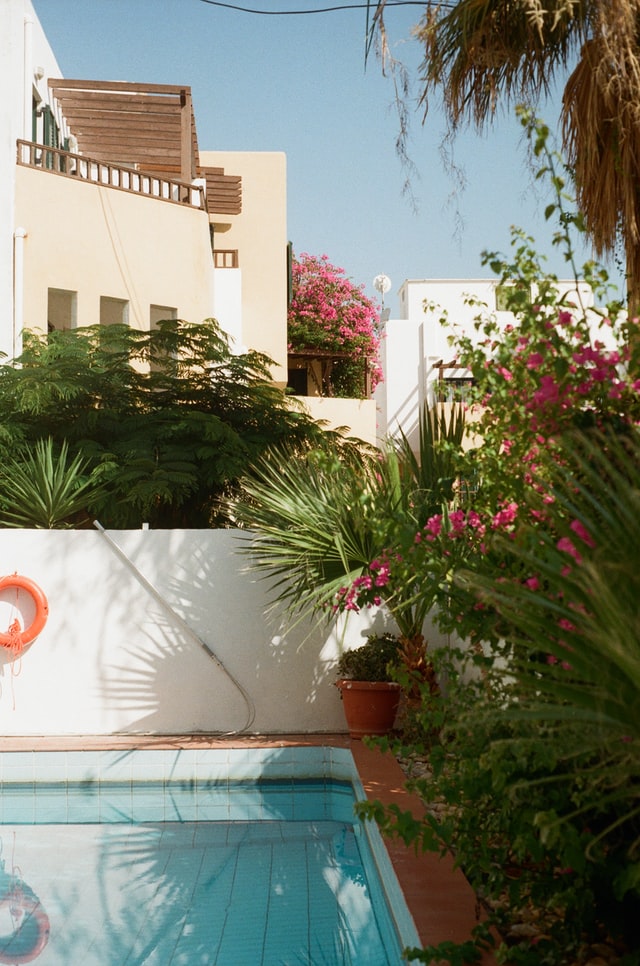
pixel 228 303
pixel 23 49
pixel 99 241
pixel 113 658
pixel 417 341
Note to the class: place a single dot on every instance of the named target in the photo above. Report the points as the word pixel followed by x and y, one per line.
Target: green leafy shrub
pixel 170 417
pixel 535 767
pixel 375 660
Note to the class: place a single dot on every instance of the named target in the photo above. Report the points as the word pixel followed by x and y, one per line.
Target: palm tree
pixel 479 51
pixel 320 517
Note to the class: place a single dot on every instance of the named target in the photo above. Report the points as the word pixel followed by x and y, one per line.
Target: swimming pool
pixel 176 858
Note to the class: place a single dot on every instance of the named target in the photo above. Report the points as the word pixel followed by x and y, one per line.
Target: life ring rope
pixel 15 638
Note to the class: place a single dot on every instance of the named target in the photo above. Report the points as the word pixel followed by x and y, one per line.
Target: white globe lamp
pixel 382 284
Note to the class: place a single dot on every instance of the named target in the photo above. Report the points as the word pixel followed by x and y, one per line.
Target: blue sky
pixel 298 84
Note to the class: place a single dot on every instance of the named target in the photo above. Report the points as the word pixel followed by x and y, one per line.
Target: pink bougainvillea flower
pixel 547 394
pixel 434 526
pixel 505 516
pixel 505 373
pixel 567 546
pixel 581 531
pixel 457 519
pixel 566 625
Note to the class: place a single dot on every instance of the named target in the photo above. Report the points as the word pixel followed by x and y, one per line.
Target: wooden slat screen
pixel 134 124
pixel 224 192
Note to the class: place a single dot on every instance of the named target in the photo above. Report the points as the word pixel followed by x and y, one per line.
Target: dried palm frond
pixel 482 49
pixel 601 131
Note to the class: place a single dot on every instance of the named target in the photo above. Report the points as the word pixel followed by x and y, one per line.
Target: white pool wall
pixel 131 616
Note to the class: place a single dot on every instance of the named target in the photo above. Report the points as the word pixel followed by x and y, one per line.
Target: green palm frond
pixel 320 517
pixel 313 523
pixel 431 472
pixel 576 639
pixel 480 50
pixel 44 490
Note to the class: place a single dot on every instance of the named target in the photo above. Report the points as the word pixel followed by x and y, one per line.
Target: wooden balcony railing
pixel 225 258
pixel 70 165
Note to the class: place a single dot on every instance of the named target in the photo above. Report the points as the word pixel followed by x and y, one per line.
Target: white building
pixel 415 349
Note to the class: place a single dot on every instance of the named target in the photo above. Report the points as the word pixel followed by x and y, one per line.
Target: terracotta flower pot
pixel 370 707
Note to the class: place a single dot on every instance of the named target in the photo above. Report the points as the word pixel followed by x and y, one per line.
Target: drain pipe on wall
pixel 157 596
pixel 19 236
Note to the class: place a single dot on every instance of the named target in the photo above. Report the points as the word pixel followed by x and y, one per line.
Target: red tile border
pixel 441 901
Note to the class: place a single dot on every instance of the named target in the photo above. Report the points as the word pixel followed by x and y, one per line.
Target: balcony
pixel 100 172
pixel 317 372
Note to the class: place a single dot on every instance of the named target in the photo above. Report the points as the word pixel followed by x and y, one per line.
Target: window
pixel 62 309
pixel 157 313
pixel 455 389
pixel 113 311
pixel 297 381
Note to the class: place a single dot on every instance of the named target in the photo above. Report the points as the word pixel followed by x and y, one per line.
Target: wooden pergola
pixel 150 127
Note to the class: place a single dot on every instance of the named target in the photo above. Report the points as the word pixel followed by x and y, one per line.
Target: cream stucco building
pixel 110 212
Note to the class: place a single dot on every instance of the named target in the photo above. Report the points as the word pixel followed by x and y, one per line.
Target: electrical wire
pixel 296 13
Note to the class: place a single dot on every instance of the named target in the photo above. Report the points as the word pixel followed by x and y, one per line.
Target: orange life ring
pixel 32 929
pixel 14 637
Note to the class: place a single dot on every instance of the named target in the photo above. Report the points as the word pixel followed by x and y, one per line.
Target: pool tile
pixel 214 812
pixel 419 876
pixel 50 767
pixel 278 770
pixel 180 765
pixel 82 813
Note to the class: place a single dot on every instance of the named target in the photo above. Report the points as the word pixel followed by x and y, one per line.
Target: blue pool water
pixel 185 858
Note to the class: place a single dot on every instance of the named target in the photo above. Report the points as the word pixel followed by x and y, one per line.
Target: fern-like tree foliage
pixel 168 418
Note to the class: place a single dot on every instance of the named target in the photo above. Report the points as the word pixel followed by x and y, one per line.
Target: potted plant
pixel 369 695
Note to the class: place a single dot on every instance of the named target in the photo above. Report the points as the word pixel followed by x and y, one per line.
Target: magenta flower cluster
pixel 558 370
pixel 366 589
pixel 329 311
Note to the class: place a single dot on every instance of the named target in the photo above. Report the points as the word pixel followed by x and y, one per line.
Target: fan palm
pixel 479 51
pixel 320 518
